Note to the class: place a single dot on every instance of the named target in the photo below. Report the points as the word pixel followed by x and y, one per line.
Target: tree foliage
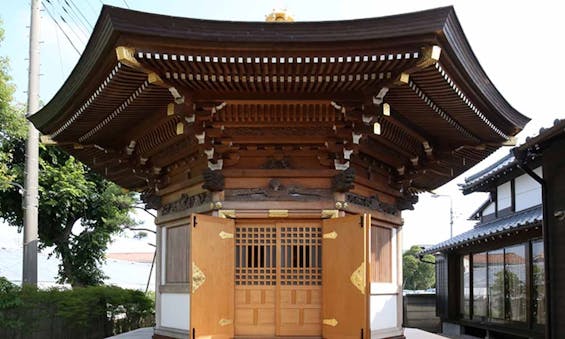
pixel 418 274
pixel 79 210
pixel 11 126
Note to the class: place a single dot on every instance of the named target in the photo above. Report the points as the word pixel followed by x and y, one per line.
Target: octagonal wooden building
pixel 279 157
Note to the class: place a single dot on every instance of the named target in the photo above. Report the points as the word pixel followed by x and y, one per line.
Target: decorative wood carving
pixel 371 202
pixel 273 163
pixel 213 180
pixel 277 191
pixel 406 202
pixel 186 202
pixel 343 181
pixel 151 200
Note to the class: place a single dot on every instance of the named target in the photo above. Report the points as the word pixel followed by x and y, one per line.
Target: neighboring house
pixel 279 157
pixel 491 279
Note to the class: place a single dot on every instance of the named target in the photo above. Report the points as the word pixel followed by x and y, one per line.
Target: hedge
pixel 89 312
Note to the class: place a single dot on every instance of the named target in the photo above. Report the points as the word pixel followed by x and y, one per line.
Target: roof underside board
pixel 440 121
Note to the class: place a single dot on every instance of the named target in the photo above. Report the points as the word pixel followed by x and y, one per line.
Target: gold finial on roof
pixel 279 15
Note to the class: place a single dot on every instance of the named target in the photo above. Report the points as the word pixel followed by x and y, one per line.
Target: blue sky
pixel 519 44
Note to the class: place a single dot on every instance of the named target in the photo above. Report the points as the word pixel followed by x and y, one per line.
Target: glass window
pixel 538 274
pixel 480 285
pixel 515 268
pixel 496 284
pixel 466 278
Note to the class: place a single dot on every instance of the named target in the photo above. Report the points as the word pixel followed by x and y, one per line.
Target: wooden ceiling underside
pixel 154 110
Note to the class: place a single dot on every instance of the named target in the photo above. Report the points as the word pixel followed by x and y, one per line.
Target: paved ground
pixel 414 333
pixel 140 333
pixel 410 333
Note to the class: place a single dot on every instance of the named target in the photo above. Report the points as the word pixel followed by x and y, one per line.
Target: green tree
pixel 79 211
pixel 12 128
pixel 418 274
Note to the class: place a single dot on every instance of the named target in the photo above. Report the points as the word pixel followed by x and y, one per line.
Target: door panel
pixel 255 278
pixel 212 283
pixel 344 278
pixel 299 311
pixel 278 277
pixel 299 278
pixel 255 310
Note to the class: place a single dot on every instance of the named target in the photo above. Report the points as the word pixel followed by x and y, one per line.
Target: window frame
pixel 529 323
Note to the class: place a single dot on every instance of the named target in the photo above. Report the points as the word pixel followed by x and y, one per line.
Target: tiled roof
pixel 490 172
pixel 524 218
pixel 508 163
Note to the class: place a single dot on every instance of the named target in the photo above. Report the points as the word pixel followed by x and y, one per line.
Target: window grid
pixel 301 255
pixel 255 255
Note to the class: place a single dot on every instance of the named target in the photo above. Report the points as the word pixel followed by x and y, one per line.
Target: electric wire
pixel 78 14
pixel 70 25
pixel 70 22
pixel 59 26
pixel 84 30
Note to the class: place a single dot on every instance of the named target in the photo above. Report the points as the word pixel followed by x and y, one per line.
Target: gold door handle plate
pixel 330 235
pixel 226 235
pixel 330 322
pixel 225 322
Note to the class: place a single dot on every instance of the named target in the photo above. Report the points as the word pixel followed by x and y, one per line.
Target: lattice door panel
pixel 255 279
pixel 278 276
pixel 301 255
pixel 255 255
pixel 300 276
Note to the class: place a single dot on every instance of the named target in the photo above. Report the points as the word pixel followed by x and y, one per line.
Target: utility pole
pixel 31 192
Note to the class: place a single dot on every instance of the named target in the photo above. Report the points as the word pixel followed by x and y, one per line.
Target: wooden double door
pixel 271 278
pixel 278 278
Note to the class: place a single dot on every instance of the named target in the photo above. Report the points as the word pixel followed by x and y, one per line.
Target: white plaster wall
pixel 490 209
pixel 383 304
pixel 175 310
pixel 383 312
pixel 528 191
pixel 163 254
pixel 503 196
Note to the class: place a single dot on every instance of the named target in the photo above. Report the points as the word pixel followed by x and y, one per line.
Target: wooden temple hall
pixel 279 156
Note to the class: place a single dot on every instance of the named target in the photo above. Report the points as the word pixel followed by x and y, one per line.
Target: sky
pixel 518 43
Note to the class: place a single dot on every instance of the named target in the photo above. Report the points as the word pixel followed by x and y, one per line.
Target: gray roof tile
pixel 526 217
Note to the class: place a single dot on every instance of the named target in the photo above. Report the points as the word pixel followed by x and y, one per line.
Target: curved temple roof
pixel 439 115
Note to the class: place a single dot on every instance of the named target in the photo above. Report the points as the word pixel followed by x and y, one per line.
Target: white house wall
pixel 175 310
pixel 528 191
pixel 504 196
pixel 383 312
pixel 490 209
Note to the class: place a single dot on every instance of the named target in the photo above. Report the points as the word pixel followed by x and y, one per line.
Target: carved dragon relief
pixel 277 191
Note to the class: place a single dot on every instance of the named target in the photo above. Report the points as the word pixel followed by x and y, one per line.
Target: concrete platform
pixel 140 333
pixel 414 333
pixel 147 333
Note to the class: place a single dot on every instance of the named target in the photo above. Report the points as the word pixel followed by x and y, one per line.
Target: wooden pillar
pixel 553 169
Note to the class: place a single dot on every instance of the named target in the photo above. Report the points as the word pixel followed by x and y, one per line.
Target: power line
pixel 80 13
pixel 126 3
pixel 69 21
pixel 74 16
pixel 58 25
